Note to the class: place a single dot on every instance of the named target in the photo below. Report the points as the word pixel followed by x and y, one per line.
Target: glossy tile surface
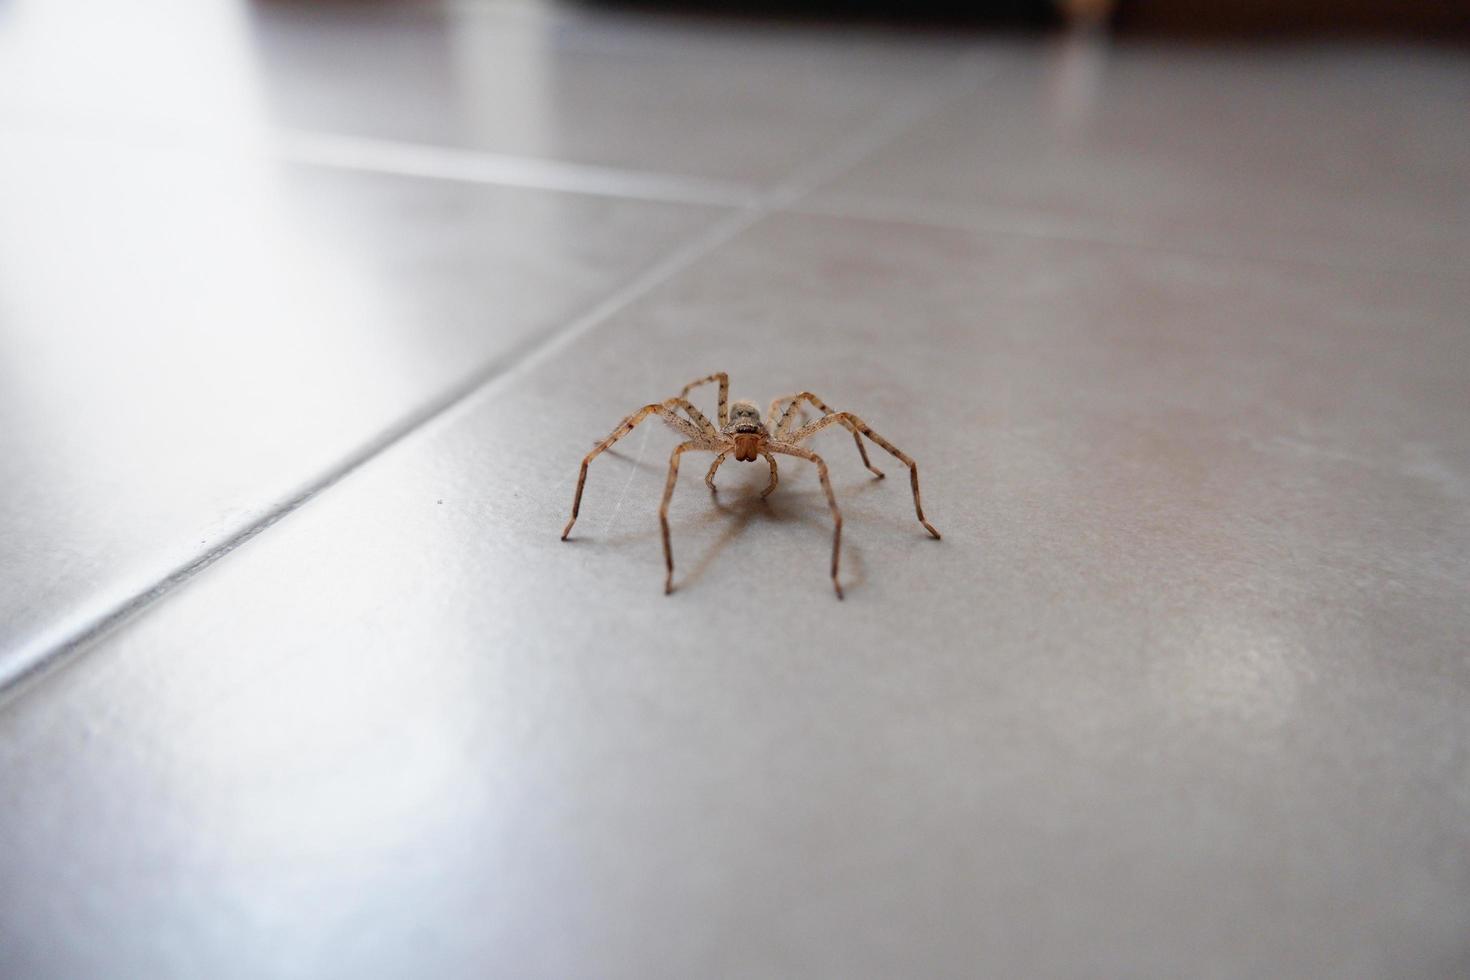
pixel 1182 691
pixel 1351 155
pixel 675 95
pixel 672 95
pixel 1178 337
pixel 190 342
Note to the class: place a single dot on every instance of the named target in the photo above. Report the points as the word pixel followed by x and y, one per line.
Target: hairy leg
pixel 788 418
pixel 709 478
pixel 695 416
pixel 724 380
pixel 791 450
pixel 773 414
pixel 775 477
pixel 682 426
pixel 663 509
pixel 707 430
pixel 852 421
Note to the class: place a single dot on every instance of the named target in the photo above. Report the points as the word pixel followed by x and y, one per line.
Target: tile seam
pixel 59 646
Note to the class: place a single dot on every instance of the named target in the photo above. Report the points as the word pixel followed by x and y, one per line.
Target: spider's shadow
pixel 751 506
pixel 634 461
pixel 740 504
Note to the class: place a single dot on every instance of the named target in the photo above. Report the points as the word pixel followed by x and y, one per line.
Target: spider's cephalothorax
pixel 746 430
pixel 742 432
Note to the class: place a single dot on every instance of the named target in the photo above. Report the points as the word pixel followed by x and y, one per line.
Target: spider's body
pixel 746 431
pixel 744 434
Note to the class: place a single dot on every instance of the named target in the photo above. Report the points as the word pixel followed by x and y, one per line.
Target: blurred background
pixel 309 310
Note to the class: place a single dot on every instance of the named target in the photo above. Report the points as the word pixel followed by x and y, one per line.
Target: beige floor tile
pixel 745 103
pixel 189 342
pixel 1182 691
pixel 1350 155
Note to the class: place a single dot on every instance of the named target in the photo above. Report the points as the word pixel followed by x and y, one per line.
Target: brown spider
pixel 743 433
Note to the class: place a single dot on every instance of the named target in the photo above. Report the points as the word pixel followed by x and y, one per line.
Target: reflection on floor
pixel 309 312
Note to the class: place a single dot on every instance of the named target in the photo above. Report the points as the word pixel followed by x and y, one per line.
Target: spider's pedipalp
pixel 775 476
pixel 709 478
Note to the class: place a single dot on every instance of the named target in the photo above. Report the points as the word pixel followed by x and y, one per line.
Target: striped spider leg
pixel 857 425
pixel 742 433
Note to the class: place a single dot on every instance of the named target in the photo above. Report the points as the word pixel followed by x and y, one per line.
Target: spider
pixel 742 433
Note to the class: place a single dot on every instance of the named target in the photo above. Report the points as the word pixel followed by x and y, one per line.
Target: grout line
pixel 995 222
pixel 480 167
pixel 54 645
pixel 406 159
pixel 801 183
pixel 969 73
pixel 53 648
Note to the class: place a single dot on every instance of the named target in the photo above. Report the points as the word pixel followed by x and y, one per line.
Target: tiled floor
pixel 297 364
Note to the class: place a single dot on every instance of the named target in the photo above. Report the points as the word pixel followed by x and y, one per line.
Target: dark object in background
pixel 998 13
pixel 1247 18
pixel 1437 19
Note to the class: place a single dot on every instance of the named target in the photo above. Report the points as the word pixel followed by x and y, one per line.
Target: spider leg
pixel 624 427
pixel 706 430
pixel 771 488
pixel 786 419
pixel 772 413
pixel 775 476
pixel 724 380
pixel 663 510
pixel 793 450
pixel 695 416
pixel 853 422
pixel 709 478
